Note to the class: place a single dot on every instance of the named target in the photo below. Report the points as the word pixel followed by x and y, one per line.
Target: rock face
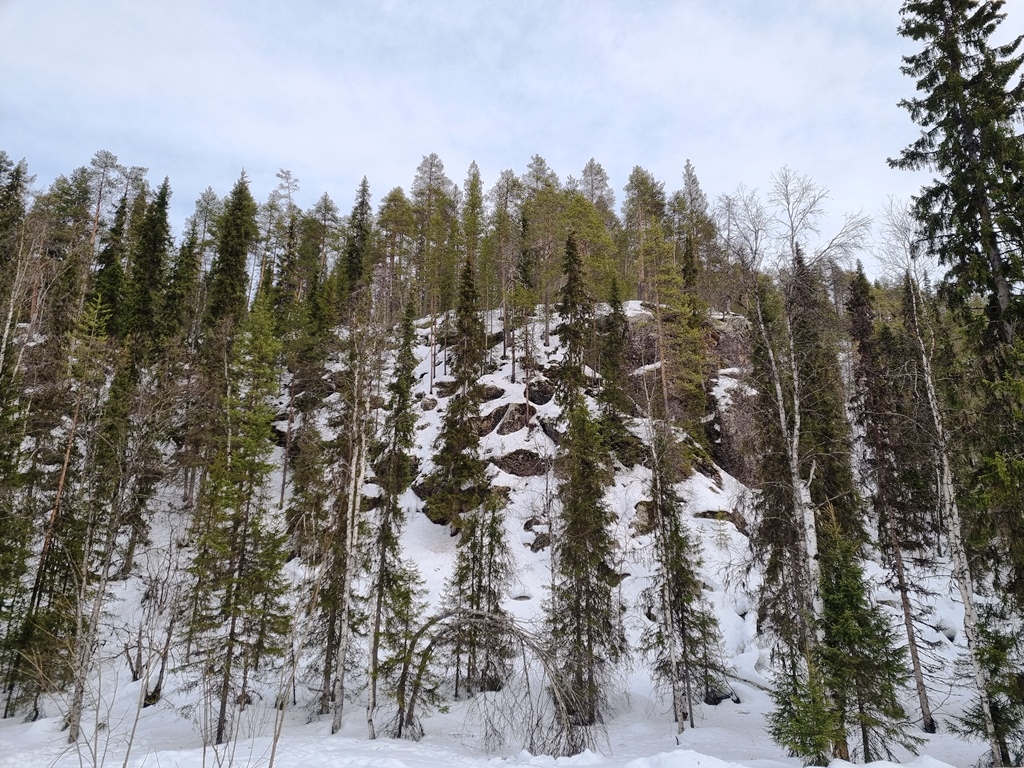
pixel 731 516
pixel 522 463
pixel 642 522
pixel 517 417
pixel 487 422
pixel 541 391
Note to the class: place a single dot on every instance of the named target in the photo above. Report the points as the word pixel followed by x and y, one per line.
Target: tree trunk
pixel 954 529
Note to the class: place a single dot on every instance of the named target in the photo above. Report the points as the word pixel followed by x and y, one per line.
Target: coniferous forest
pixel 214 442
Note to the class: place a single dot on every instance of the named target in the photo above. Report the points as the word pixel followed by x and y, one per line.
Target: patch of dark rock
pixel 713 696
pixel 541 391
pixel 730 516
pixel 376 402
pixel 522 463
pixel 494 339
pixel 630 450
pixel 280 429
pixel 428 403
pixel 531 522
pixel 541 541
pixel 486 423
pixel 549 429
pixel 518 416
pixel 501 494
pixel 490 392
pixel 371 503
pixel 425 488
pixel 643 520
pixel 704 464
pixel 444 388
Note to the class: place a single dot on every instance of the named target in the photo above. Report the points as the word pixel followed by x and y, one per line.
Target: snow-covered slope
pixel 639 735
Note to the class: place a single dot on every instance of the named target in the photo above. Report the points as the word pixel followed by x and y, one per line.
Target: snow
pixel 640 733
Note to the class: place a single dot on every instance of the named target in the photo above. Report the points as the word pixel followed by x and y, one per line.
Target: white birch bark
pixel 954 529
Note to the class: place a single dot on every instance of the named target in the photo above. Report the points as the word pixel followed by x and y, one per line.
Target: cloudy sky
pixel 335 89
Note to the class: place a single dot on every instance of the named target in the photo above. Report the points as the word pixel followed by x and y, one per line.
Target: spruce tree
pixel 393 580
pixel 236 233
pixel 583 611
pixel 238 619
pixel 613 397
pixel 971 96
pixel 863 668
pixel 109 279
pixel 358 237
pixel 459 481
pixel 684 638
pixel 969 106
pixel 899 468
pixel 149 261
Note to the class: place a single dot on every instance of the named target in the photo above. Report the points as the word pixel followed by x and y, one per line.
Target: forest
pixel 212 442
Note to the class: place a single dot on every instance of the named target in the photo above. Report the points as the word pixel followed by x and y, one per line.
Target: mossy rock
pixel 731 516
pixel 541 391
pixel 522 463
pixel 487 422
pixel 517 417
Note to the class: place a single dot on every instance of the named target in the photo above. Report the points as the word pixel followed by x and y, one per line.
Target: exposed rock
pixel 731 516
pixel 502 494
pixel 486 423
pixel 490 392
pixel 376 401
pixel 530 523
pixel 428 403
pixel 444 388
pixel 631 450
pixel 522 463
pixel 541 541
pixel 549 429
pixel 494 339
pixel 516 418
pixel 280 430
pixel 541 391
pixel 642 521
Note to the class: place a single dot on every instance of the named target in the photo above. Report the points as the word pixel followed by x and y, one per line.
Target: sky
pixel 333 90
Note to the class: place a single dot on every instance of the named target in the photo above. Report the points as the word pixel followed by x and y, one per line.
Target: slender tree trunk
pixel 954 529
pixel 357 477
pixel 803 507
pixel 927 721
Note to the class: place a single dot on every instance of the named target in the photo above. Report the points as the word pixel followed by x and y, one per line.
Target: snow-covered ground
pixel 640 733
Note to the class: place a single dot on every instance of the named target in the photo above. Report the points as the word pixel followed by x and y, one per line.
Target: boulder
pixel 522 463
pixel 517 417
pixel 487 422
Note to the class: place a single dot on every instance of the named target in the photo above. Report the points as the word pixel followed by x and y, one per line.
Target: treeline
pixel 207 419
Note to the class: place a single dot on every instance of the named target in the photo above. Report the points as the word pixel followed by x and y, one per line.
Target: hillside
pixel 520 453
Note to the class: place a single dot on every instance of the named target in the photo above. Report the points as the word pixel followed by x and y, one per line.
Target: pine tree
pixel 643 207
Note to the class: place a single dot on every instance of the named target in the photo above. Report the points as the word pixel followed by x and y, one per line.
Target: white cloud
pixel 334 91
